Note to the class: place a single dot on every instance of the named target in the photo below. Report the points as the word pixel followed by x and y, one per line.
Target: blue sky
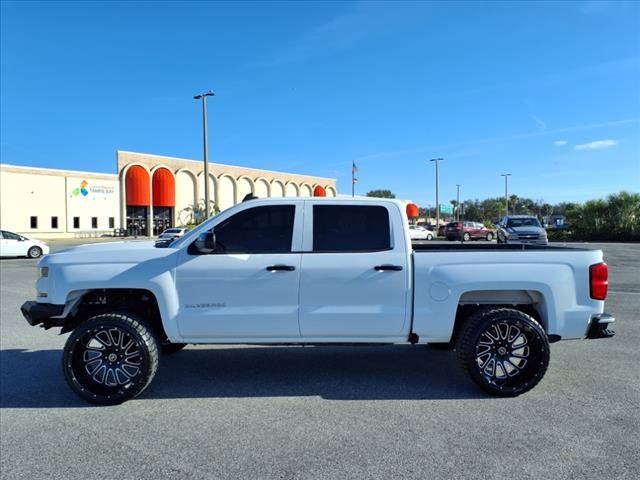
pixel 547 91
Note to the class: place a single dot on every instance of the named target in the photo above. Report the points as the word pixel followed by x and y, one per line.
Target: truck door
pixel 355 271
pixel 248 287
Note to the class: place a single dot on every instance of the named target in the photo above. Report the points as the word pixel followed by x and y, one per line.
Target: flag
pixel 354 168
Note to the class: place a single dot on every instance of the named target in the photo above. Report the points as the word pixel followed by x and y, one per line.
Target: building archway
pixel 163 194
pixel 138 200
pixel 227 191
pixel 245 187
pixel 186 183
pixel 277 188
pixel 262 188
pixel 291 189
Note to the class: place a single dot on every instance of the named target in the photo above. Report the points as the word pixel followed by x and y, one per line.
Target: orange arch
pixel 164 188
pixel 412 210
pixel 137 185
pixel 319 191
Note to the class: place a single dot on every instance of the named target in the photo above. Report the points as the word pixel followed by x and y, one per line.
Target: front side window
pixel 350 228
pixel 267 229
pixel 10 236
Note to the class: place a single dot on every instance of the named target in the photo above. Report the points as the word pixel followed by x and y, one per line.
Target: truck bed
pixel 493 247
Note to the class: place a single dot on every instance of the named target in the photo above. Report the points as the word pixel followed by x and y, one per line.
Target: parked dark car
pixel 441 229
pixel 468 231
pixel 521 229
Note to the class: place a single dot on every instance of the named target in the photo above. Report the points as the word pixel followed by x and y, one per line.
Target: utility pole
pixel 506 192
pixel 204 96
pixel 436 160
pixel 458 202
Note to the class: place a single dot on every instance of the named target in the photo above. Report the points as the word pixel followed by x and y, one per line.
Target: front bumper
pixel 42 313
pixel 600 326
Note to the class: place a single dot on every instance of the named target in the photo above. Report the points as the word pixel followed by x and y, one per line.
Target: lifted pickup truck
pixel 314 271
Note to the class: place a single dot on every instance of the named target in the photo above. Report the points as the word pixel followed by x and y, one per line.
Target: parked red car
pixel 472 231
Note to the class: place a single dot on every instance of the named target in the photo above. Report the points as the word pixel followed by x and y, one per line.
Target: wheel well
pixel 139 302
pixel 465 310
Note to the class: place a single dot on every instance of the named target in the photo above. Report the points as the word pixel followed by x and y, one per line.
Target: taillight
pixel 598 281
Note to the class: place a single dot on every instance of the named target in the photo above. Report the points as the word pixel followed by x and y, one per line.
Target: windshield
pixel 523 222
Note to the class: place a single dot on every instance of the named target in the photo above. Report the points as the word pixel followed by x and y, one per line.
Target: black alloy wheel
pixel 505 351
pixel 110 358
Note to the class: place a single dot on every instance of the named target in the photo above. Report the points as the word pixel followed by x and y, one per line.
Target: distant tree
pixel 381 194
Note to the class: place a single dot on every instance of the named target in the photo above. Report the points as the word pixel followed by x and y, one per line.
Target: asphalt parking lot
pixel 324 412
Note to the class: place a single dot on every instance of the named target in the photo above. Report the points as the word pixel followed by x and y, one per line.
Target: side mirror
pixel 206 242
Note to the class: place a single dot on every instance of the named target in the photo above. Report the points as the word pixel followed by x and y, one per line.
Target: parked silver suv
pixel 521 229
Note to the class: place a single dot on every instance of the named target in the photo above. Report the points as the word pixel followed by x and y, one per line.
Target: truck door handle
pixel 382 268
pixel 280 268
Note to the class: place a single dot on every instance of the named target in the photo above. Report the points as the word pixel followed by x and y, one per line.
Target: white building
pixel 149 191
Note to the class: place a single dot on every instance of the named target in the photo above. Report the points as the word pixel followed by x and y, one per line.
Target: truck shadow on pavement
pixel 33 379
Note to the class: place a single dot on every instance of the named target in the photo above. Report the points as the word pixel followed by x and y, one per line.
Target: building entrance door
pixel 162 219
pixel 137 221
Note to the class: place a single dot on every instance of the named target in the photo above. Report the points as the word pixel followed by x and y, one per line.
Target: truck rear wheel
pixel 505 351
pixel 110 358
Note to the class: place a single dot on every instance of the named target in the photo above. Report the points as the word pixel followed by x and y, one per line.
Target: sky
pixel 546 91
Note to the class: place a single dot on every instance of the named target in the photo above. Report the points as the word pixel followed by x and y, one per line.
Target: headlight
pixel 44 272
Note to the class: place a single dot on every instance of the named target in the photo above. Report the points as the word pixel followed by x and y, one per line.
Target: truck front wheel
pixel 505 351
pixel 110 358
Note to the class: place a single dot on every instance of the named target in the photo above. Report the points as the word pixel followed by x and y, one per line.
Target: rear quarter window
pixel 351 228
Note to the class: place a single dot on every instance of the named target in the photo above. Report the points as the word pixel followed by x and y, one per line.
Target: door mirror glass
pixel 206 242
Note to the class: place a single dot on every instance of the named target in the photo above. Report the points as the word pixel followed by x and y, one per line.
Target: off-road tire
pixel 110 358
pixel 505 351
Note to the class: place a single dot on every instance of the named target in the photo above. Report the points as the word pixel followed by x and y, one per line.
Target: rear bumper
pixel 600 326
pixel 42 313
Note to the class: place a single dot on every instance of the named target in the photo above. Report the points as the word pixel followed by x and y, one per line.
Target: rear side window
pixel 350 228
pixel 266 229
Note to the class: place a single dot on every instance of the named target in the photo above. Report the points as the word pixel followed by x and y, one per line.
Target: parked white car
pixel 419 233
pixel 315 271
pixel 172 233
pixel 14 245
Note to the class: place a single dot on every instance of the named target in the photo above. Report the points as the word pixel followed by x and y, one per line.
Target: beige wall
pixel 47 193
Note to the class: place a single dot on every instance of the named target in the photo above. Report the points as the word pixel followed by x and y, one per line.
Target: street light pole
pixel 437 194
pixel 506 192
pixel 458 202
pixel 204 96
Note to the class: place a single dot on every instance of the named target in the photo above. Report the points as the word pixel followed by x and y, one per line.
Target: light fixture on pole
pixel 203 97
pixel 506 192
pixel 436 160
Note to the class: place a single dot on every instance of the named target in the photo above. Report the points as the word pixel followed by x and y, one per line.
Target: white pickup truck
pixel 314 271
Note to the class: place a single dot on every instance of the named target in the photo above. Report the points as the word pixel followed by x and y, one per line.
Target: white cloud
pixel 596 145
pixel 560 143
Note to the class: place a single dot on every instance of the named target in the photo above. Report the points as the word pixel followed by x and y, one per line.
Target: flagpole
pixel 353 178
